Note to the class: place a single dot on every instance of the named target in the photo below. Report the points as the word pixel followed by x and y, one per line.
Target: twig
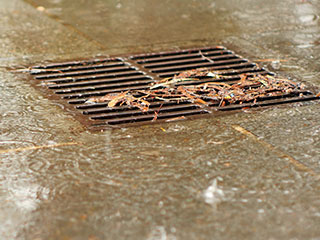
pixel 299 165
pixel 271 60
pixel 203 56
pixel 38 147
pixel 156 113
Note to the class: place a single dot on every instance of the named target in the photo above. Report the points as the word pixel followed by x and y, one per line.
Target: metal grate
pixel 75 82
pixel 168 64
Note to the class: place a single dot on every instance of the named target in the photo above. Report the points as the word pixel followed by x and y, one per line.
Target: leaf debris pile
pixel 202 87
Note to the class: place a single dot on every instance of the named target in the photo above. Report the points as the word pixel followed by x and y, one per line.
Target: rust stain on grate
pixel 73 83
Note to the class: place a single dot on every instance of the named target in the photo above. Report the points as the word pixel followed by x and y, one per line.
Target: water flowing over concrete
pixel 249 175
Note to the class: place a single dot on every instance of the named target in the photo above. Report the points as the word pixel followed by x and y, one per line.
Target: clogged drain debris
pixel 203 87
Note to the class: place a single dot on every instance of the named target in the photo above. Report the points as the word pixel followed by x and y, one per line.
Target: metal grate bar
pixel 112 85
pixel 125 112
pixel 76 69
pixel 75 63
pixel 218 49
pixel 121 68
pixel 226 72
pixel 94 92
pixel 162 116
pixel 193 61
pixel 213 55
pixel 99 82
pixel 93 77
pixel 267 103
pixel 202 65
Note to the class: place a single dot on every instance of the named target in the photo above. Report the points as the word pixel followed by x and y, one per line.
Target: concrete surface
pixel 251 175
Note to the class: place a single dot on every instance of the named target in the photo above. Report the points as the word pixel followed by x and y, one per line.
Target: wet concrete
pixel 198 179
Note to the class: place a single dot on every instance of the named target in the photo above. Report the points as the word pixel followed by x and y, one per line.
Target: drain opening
pixel 74 83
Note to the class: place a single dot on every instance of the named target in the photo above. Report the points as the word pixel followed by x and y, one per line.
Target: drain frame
pixel 71 83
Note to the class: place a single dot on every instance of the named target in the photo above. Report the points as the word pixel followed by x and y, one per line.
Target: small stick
pixel 38 147
pixel 203 56
pixel 271 60
pixel 299 165
pixel 156 113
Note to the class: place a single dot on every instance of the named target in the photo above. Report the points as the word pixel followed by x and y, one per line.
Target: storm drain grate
pixel 73 83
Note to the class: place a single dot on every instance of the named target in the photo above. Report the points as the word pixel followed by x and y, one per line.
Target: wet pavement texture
pixel 249 175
